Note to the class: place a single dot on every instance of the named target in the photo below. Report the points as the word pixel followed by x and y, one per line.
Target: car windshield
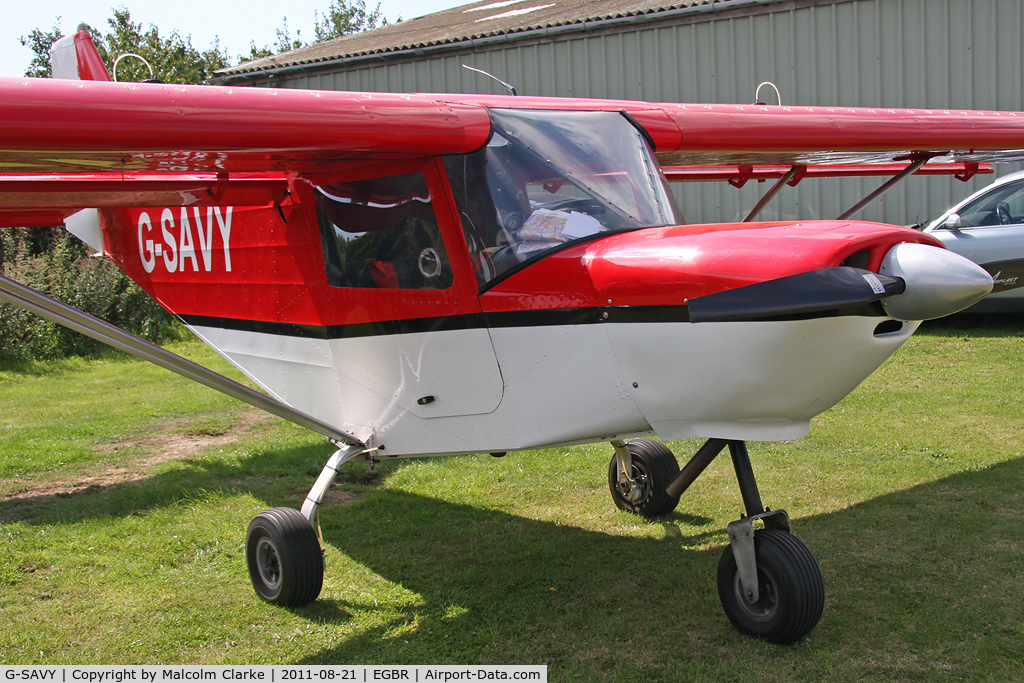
pixel 550 178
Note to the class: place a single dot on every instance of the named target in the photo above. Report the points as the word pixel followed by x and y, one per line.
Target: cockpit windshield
pixel 549 178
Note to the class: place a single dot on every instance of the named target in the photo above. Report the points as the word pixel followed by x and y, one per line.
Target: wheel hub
pixel 636 490
pixel 268 563
pixel 767 604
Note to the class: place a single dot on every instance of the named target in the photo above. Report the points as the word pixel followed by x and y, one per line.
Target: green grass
pixel 909 492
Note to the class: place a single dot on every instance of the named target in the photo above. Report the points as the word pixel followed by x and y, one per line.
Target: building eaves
pixel 475 21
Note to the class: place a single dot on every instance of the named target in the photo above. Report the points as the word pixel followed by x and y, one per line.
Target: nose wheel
pixel 791 592
pixel 769 583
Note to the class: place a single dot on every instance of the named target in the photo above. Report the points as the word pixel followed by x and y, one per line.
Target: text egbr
pixel 175 245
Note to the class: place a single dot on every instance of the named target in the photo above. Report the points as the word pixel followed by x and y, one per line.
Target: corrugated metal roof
pixel 468 22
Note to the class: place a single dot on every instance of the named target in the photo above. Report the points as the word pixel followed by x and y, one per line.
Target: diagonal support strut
pixel 36 302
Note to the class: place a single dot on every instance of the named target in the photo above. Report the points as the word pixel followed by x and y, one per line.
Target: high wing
pixel 60 126
pixel 829 136
pixel 740 134
pixel 76 144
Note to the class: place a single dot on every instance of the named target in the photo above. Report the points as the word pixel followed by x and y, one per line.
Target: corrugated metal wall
pixel 962 54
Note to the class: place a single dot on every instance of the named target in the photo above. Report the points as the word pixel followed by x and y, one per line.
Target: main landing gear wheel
pixel 286 565
pixel 654 467
pixel 792 592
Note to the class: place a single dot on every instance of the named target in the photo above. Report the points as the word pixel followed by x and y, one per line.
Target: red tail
pixel 77 58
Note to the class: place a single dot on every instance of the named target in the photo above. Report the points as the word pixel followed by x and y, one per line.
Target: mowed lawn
pixel 125 493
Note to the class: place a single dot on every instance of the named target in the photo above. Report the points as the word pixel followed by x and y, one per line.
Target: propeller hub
pixel 938 282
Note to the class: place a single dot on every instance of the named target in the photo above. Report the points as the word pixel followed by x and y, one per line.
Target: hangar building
pixel 940 54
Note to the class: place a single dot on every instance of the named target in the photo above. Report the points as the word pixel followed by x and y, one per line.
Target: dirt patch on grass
pixel 172 440
pixel 333 496
pixel 177 439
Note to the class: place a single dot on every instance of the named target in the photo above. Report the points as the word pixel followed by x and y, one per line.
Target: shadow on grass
pixel 975 325
pixel 917 581
pixel 271 475
pixel 494 587
pixel 325 611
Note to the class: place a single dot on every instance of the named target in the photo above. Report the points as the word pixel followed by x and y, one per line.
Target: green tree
pixel 343 18
pixel 172 57
pixel 55 263
pixel 39 42
pixel 284 43
pixel 58 264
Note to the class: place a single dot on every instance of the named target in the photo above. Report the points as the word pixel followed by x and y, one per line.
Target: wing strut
pixel 789 177
pixel 72 318
pixel 918 162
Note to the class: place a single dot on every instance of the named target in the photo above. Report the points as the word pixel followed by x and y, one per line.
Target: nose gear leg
pixel 769 583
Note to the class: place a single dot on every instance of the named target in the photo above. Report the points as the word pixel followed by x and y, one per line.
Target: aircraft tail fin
pixel 76 57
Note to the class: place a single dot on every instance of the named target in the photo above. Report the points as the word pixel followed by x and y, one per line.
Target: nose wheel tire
pixel 286 564
pixel 792 592
pixel 654 467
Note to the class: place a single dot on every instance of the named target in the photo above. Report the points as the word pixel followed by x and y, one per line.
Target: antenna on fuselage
pixel 507 85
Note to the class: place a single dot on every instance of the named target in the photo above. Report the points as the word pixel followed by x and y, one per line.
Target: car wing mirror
pixel 952 222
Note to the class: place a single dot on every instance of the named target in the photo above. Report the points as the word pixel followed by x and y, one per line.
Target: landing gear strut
pixel 283 547
pixel 768 581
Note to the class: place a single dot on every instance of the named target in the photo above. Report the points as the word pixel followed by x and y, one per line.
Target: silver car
pixel 988 228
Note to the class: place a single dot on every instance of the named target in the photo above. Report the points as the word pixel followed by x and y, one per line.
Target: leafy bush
pixel 59 265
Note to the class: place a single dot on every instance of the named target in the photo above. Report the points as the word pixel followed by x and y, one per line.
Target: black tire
pixel 654 468
pixel 791 590
pixel 286 564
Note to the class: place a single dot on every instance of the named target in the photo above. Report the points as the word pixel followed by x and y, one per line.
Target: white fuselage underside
pixel 509 388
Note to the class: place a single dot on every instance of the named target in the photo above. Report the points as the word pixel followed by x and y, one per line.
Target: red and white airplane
pixel 414 275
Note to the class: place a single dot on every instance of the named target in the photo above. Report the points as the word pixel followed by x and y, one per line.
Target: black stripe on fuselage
pixel 374 329
pixel 503 319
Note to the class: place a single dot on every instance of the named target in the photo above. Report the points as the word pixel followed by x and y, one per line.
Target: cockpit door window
pixel 382 233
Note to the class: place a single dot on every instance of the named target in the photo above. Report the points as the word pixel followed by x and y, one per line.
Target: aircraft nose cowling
pixel 938 281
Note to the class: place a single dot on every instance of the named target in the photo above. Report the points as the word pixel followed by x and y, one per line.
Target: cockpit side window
pixel 549 178
pixel 382 233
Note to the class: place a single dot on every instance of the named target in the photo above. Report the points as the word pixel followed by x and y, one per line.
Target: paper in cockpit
pixel 558 226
